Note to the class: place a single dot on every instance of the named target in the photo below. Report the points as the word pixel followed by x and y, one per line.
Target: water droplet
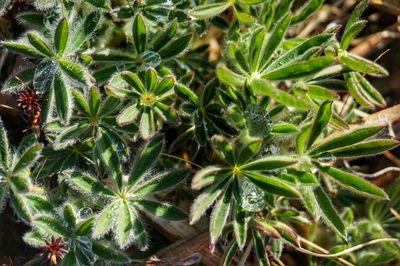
pixel 258 121
pixel 84 213
pixel 252 197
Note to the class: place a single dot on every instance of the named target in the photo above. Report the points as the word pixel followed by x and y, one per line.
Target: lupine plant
pixel 131 108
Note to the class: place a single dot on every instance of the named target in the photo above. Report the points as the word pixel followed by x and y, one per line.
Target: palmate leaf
pixel 22 48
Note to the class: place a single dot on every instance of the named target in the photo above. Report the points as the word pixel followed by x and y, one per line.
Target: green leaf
pixel 87 184
pixel 85 226
pixel 84 31
pixel 186 94
pixel 18 202
pixel 321 93
pixel 62 98
pixel 165 85
pixel 27 158
pixel 206 176
pixel 104 221
pixel 50 225
pixel 362 65
pixel 205 200
pixel 150 79
pixel 284 128
pixel 38 203
pixel 162 210
pixel 147 124
pixel 73 71
pixel 349 35
pixel 166 36
pixel 271 184
pixel 4 147
pixel 304 178
pixel 210 90
pixel 22 48
pixel 269 163
pixel 369 91
pixel 175 47
pixel 257 42
pixel 80 102
pixel 249 150
pixel 160 182
pixel 124 225
pixel 353 182
pixel 240 226
pixel 61 36
pixel 109 157
pixel 366 148
pixel 140 235
pixel 299 69
pixel 69 259
pixel 133 80
pixel 274 40
pixel 94 101
pixel 220 214
pixel 230 253
pixel 208 10
pixel 139 33
pixel 321 121
pixel 259 248
pixel 263 87
pixel 306 11
pixel 327 211
pixel 355 15
pixel 345 138
pixel 18 80
pixel 39 44
pixel 69 215
pixel 227 76
pixel 20 183
pixel 296 53
pixel 108 252
pixel 167 113
pixel 128 115
pixel 223 148
pixel 145 159
pixel 100 3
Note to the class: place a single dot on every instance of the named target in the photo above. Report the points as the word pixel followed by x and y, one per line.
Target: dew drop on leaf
pixel 84 213
pixel 252 197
